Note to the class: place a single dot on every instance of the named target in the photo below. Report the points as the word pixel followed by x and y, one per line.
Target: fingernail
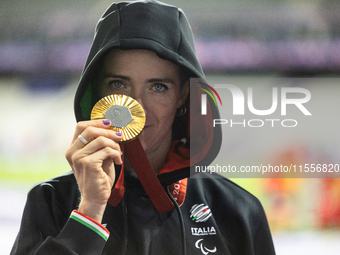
pixel 119 134
pixel 106 122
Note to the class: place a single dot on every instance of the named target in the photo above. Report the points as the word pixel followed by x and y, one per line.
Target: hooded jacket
pixel 215 215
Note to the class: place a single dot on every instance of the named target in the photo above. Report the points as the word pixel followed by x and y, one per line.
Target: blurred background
pixel 258 43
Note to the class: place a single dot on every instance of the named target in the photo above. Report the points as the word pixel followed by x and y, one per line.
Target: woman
pixel 144 50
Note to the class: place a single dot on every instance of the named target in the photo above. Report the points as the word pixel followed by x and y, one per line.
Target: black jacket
pixel 237 224
pixel 217 216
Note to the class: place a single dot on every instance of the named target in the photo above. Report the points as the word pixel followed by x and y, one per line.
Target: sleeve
pixel 263 242
pixel 44 231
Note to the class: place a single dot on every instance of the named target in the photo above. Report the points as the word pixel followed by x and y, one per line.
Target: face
pixel 154 83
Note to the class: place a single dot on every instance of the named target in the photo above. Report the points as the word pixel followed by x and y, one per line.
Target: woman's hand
pixel 93 164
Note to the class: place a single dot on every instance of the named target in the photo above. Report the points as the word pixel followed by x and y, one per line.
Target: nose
pixel 138 96
pixel 143 105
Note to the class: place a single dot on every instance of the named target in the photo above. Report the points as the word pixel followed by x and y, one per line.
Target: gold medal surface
pixel 125 113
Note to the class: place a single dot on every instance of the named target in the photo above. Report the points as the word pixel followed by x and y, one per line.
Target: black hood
pixel 154 26
pixel 150 25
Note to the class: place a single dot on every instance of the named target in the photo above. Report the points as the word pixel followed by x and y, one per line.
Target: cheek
pixel 162 111
pixel 161 108
pixel 102 90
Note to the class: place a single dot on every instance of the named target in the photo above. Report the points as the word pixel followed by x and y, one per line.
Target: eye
pixel 159 87
pixel 116 84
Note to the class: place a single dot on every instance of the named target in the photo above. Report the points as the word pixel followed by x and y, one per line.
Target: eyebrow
pixel 127 78
pixel 123 77
pixel 165 80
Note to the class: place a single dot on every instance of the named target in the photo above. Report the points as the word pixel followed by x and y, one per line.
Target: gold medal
pixel 125 113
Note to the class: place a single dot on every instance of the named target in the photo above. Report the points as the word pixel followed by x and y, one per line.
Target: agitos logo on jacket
pixel 280 99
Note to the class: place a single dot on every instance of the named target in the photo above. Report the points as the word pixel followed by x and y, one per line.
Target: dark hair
pixel 180 124
pixel 184 75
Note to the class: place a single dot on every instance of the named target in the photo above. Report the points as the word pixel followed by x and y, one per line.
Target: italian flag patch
pixel 88 222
